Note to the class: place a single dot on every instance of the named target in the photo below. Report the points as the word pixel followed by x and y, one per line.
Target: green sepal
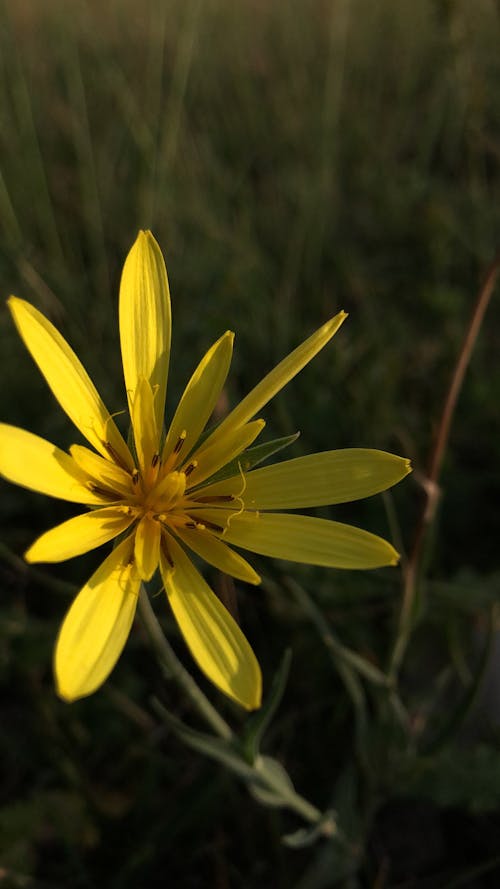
pixel 257 724
pixel 252 457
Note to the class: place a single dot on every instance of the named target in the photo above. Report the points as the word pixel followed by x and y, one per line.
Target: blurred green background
pixel 292 159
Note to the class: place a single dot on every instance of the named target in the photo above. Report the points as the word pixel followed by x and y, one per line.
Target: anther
pixel 104 492
pixel 115 455
pixel 190 467
pixel 165 551
pixel 135 477
pixel 216 498
pixel 191 525
pixel 180 441
pixel 155 460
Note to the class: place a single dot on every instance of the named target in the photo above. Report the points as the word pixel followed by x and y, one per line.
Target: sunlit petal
pixel 68 379
pixel 104 473
pixel 35 463
pixel 97 626
pixel 200 395
pixel 79 535
pixel 213 636
pixel 317 480
pixel 145 320
pixel 147 547
pixel 280 375
pixel 302 539
pixel 222 449
pixel 146 432
pixel 216 553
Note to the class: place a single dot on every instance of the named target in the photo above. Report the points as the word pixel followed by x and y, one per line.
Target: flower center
pixel 159 492
pixel 166 494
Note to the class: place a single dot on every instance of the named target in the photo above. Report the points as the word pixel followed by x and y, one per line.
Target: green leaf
pixel 258 723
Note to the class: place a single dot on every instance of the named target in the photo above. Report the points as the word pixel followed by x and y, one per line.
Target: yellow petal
pixel 147 547
pixel 200 396
pixel 302 539
pixel 146 432
pixel 317 480
pixel 79 535
pixel 97 625
pixel 145 320
pixel 35 463
pixel 214 638
pixel 221 450
pixel 68 379
pixel 216 553
pixel 280 376
pixel 104 473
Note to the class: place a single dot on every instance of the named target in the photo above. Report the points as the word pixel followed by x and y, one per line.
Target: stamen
pixel 104 492
pixel 135 477
pixel 213 527
pixel 191 526
pixel 215 498
pixel 115 455
pixel 155 460
pixel 180 441
pixel 190 467
pixel 165 551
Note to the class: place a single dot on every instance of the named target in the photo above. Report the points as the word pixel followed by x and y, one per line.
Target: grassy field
pixel 292 160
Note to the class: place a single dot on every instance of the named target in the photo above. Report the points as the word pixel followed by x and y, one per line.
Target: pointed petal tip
pixel 148 575
pixel 251 698
pixel 27 555
pixel 65 696
pixel 255 701
pixel 14 304
pixel 144 240
pixel 339 318
pixel 64 690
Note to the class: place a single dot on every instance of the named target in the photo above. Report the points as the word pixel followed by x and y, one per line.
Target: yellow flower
pixel 159 498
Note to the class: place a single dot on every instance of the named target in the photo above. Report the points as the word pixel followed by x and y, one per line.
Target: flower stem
pixel 171 663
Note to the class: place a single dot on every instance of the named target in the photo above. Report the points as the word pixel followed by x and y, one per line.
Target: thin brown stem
pixel 431 482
